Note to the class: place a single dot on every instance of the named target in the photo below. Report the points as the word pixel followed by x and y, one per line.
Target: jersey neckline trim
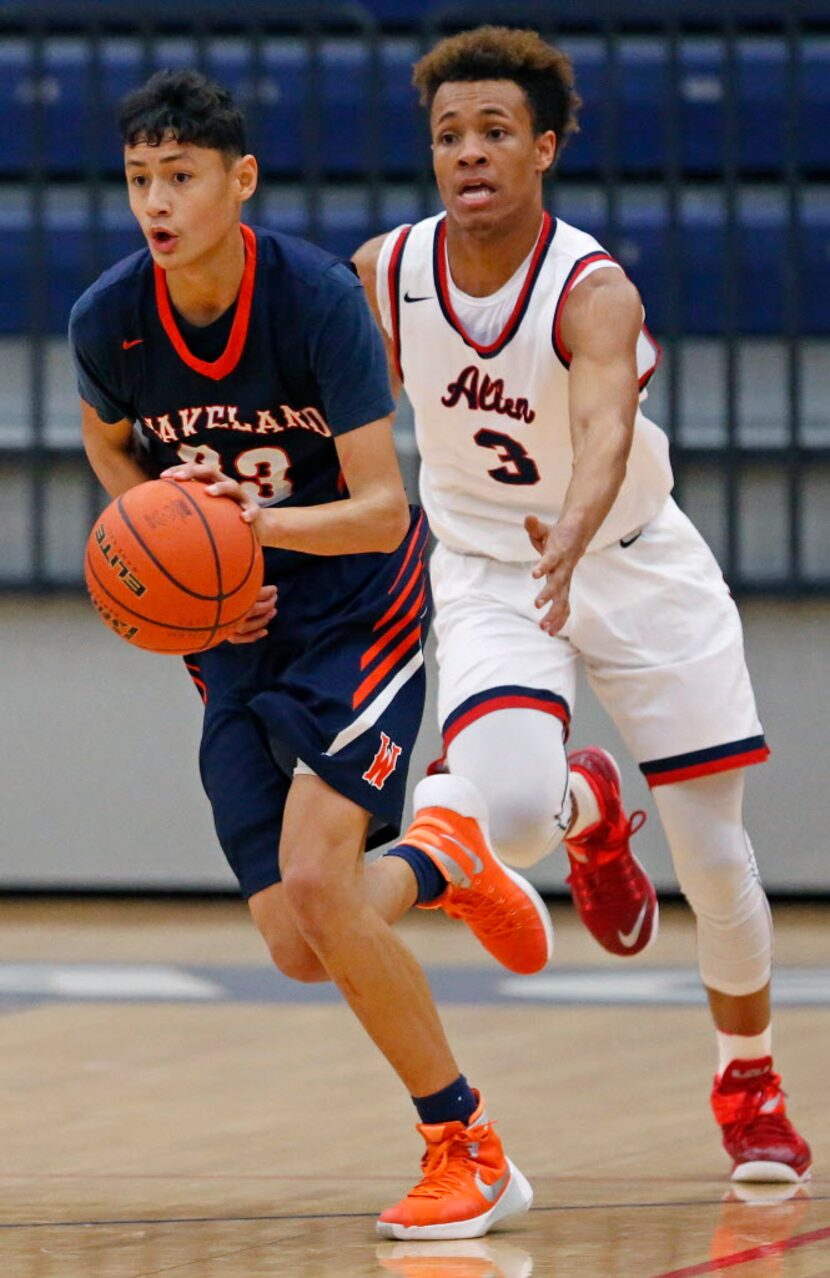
pixel 226 363
pixel 439 266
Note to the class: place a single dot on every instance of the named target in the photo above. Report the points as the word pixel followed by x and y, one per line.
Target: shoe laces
pixel 610 875
pixel 483 909
pixel 446 1165
pixel 749 1111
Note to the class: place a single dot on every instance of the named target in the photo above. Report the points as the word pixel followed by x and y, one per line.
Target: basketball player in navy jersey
pixel 524 353
pixel 249 360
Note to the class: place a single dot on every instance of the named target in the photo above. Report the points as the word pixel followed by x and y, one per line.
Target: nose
pixel 158 198
pixel 471 152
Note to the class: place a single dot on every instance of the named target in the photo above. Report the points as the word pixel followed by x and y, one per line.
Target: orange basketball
pixel 172 569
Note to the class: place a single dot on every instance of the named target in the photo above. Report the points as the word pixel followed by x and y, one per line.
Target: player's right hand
pixel 559 555
pixel 254 626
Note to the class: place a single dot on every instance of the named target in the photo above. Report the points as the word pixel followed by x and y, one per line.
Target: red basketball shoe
pixel 467 1185
pixel 612 893
pixel 502 910
pixel 749 1105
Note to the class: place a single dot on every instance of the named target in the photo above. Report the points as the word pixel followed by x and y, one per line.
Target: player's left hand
pixel 255 625
pixel 559 556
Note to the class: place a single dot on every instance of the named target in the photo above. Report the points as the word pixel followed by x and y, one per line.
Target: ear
pixel 545 144
pixel 246 175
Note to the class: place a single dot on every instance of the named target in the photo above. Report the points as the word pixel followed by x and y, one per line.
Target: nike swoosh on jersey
pixel 492 1192
pixel 125 346
pixel 629 939
pixel 407 298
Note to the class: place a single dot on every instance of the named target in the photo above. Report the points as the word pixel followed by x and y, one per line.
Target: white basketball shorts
pixel 652 620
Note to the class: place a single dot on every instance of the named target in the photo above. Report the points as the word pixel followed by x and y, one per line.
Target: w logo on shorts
pixel 384 763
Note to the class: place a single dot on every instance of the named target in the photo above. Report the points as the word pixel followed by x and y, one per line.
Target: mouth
pixel 476 192
pixel 162 239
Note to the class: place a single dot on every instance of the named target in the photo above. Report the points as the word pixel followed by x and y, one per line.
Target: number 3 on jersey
pixel 517 466
pixel 262 472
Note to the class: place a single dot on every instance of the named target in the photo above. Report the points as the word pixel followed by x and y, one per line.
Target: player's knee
pixel 298 962
pixel 719 887
pixel 522 831
pixel 289 952
pixel 313 893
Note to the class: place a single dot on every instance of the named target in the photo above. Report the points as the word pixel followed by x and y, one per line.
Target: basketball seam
pixel 215 598
pixel 140 616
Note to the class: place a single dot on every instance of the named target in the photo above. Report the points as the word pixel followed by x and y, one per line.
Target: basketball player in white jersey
pixel 523 350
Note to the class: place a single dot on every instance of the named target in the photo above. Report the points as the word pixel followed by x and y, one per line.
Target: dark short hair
pixel 543 72
pixel 187 106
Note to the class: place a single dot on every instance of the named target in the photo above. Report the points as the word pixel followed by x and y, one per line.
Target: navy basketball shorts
pixel 337 687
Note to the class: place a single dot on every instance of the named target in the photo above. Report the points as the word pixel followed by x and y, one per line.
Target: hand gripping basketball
pixel 171 568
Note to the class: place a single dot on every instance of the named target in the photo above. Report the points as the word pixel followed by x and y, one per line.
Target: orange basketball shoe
pixel 467 1185
pixel 749 1105
pixel 502 910
pixel 612 893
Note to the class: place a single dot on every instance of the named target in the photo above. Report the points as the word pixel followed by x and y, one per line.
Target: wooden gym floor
pixel 172 1107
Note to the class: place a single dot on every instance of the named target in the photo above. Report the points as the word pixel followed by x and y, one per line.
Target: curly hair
pixel 507 53
pixel 187 106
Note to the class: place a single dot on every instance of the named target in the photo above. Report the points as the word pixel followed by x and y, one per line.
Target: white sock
pixel 587 808
pixel 742 1047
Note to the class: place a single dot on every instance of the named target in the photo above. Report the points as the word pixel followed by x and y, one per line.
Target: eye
pixel 497 132
pixel 138 180
pixel 181 178
pixel 446 139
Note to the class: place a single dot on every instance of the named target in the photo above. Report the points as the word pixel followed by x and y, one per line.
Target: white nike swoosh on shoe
pixel 629 939
pixel 492 1192
pixel 454 870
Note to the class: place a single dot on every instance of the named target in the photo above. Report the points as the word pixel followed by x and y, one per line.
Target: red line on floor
pixel 743 1257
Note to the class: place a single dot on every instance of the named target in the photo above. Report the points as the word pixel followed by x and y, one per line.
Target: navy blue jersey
pixel 262 392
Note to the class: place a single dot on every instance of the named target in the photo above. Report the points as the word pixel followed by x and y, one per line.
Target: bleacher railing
pixel 703 164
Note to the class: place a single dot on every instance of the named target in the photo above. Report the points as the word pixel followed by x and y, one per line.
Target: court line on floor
pixel 318 1179
pixel 365 1215
pixel 744 1257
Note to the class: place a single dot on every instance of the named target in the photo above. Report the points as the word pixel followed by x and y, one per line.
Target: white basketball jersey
pixel 492 421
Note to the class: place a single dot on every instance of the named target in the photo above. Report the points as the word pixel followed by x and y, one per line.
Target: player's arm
pixel 601 322
pixel 111 451
pixel 374 517
pixel 366 265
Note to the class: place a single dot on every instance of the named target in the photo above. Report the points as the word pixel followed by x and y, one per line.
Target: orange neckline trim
pixel 231 355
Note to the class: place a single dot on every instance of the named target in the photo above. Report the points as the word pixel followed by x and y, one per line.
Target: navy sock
pixel 431 882
pixel 455 1102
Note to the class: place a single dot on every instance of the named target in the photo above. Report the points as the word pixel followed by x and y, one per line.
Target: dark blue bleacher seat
pixel 67 263
pixel 625 119
pixel 273 88
pixel 640 116
pixel 644 248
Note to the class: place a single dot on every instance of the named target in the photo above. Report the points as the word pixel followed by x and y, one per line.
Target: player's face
pixel 488 162
pixel 186 198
